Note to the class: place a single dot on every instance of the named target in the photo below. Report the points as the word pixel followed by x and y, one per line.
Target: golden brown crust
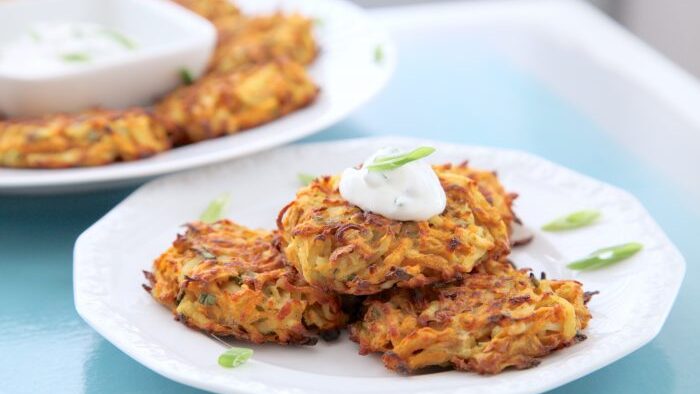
pixel 339 247
pixel 245 42
pixel 224 104
pixel 495 319
pixel 229 280
pixel 490 186
pixel 211 9
pixel 95 137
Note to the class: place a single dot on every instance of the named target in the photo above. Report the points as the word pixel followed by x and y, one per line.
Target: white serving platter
pixel 346 71
pixel 635 297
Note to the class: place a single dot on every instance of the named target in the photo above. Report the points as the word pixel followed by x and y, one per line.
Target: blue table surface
pixel 472 96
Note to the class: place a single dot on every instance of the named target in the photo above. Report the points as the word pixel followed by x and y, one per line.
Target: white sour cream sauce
pixel 410 192
pixel 47 48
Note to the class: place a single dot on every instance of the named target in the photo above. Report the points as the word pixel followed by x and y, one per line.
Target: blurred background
pixel 672 27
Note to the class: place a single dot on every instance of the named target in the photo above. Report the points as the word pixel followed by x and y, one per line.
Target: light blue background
pixel 470 96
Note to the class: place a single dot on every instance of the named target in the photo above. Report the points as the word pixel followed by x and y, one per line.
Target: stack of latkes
pixel 435 293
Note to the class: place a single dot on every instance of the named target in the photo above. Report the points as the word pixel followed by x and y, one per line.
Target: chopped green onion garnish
pixel 125 41
pixel 318 21
pixel 205 253
pixel 35 36
pixel 378 54
pixel 305 179
pixel 186 76
pixel 215 210
pixel 234 357
pixel 606 256
pixel 207 299
pixel 572 221
pixel 76 57
pixel 387 163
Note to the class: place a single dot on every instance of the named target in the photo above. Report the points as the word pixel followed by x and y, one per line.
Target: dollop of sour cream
pixel 409 192
pixel 46 48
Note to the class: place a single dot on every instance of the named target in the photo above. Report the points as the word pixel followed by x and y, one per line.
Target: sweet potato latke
pixel 496 318
pixel 229 280
pixel 491 188
pixel 339 247
pixel 246 42
pixel 211 9
pixel 228 103
pixel 93 138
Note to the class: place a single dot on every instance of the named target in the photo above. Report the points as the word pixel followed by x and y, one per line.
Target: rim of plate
pixel 44 180
pixel 92 303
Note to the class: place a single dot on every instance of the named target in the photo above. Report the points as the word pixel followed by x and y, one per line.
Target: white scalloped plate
pixel 636 295
pixel 346 71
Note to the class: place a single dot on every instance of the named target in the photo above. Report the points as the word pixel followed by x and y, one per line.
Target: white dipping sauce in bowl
pixel 47 48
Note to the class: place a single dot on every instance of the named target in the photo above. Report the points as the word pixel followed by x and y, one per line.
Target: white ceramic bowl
pixel 169 39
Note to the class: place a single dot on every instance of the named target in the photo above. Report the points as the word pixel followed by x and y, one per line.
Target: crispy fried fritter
pixel 217 105
pixel 229 280
pixel 92 138
pixel 245 42
pixel 489 322
pixel 211 9
pixel 491 188
pixel 337 246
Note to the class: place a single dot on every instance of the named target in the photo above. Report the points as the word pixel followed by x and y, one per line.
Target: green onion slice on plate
pixel 573 220
pixel 378 54
pixel 305 179
pixel 606 256
pixel 234 357
pixel 76 57
pixel 216 209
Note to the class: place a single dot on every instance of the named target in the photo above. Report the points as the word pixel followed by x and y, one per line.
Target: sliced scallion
pixel 123 40
pixel 76 57
pixel 215 209
pixel 378 54
pixel 207 299
pixel 305 179
pixel 234 357
pixel 205 253
pixel 186 76
pixel 386 163
pixel 35 36
pixel 606 256
pixel 572 221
